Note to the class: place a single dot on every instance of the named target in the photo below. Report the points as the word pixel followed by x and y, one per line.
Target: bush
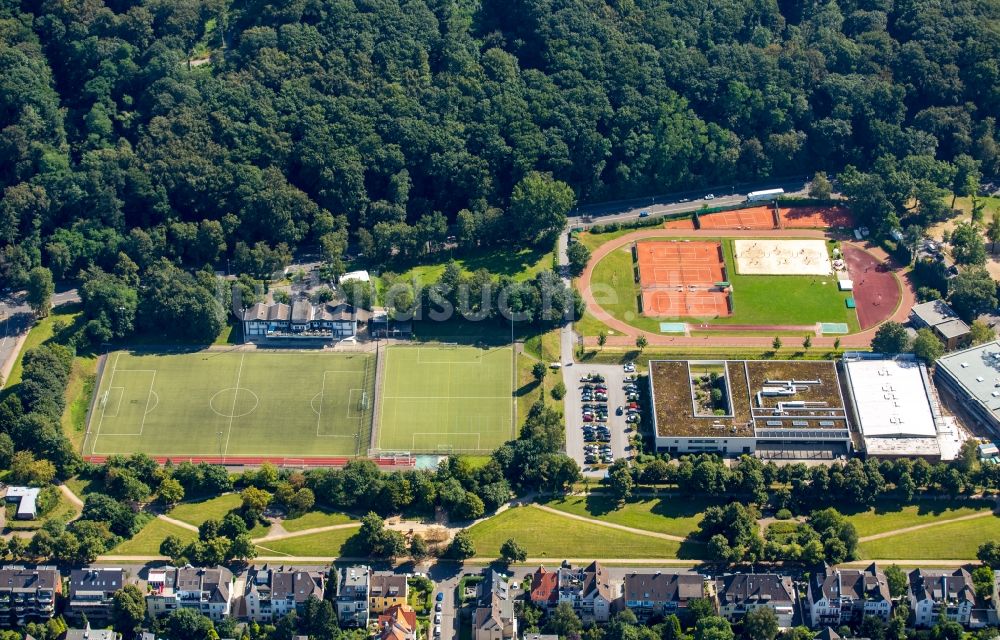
pixel 783 514
pixel 559 391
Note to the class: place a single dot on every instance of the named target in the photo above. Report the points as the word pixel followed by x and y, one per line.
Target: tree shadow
pixel 527 388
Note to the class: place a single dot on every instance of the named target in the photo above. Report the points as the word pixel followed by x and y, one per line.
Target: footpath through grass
pixel 892 515
pixel 671 514
pixel 546 535
pixel 328 544
pixel 147 542
pixel 950 541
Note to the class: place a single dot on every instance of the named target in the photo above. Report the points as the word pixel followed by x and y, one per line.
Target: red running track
pixel 238 461
pixel 876 292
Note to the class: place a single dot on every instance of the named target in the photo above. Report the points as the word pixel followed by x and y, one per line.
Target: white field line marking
pixel 111 382
pixel 232 412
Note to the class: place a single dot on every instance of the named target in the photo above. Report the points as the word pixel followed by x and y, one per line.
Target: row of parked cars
pixel 596 433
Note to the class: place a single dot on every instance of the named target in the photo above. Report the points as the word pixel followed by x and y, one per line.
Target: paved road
pixel 16 319
pixel 678 202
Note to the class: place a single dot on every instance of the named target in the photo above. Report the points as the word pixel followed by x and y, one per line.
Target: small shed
pixel 846 285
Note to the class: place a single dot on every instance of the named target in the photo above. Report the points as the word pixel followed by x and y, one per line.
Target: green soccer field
pixel 290 404
pixel 446 399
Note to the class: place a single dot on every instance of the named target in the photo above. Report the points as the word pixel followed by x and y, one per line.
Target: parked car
pixel 437 606
pixel 643 214
pixel 437 631
pixel 440 596
pixel 710 196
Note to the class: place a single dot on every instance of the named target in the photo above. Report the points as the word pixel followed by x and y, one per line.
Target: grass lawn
pixel 79 390
pixel 329 544
pixel 529 390
pixel 147 542
pixel 672 515
pixel 81 486
pixel 316 519
pixel 294 404
pixel 520 265
pixel 446 399
pixel 548 535
pixel 757 299
pixel 198 512
pixel 890 516
pixel 951 541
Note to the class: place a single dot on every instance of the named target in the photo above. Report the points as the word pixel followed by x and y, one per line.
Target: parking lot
pixel 577 403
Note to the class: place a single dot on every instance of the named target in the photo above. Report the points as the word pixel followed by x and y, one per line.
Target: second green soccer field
pixel 446 399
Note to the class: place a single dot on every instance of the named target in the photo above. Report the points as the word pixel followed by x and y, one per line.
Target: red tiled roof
pixel 544 586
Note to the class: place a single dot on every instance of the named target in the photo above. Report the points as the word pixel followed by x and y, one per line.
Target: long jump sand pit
pixel 782 257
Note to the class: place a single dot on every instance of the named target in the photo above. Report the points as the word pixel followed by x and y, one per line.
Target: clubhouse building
pixel 302 320
pixel 771 408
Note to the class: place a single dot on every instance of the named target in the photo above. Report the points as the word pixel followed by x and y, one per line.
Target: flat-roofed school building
pixel 776 409
pixel 972 379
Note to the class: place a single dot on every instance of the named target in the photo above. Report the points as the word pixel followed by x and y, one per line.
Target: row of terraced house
pixel 833 597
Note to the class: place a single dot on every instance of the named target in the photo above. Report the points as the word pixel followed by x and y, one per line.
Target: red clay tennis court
pixel 752 218
pixel 679 278
pixel 815 217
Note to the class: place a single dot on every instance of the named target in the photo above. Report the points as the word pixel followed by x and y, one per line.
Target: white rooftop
pixel 891 399
pixel 356 275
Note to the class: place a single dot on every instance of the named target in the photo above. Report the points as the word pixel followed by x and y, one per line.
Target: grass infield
pixel 446 399
pixel 211 403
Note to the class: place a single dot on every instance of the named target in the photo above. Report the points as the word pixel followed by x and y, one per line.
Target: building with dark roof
pixel 28 594
pixel 206 590
pixel 845 596
pixel 660 594
pixel 590 591
pixel 776 408
pixel 739 594
pixel 971 378
pixel 494 617
pixel 387 590
pixel 273 592
pixel 937 316
pixel 935 595
pixel 353 583
pixel 91 593
pixel 302 320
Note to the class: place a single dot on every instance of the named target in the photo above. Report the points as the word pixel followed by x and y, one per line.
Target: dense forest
pixel 202 130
